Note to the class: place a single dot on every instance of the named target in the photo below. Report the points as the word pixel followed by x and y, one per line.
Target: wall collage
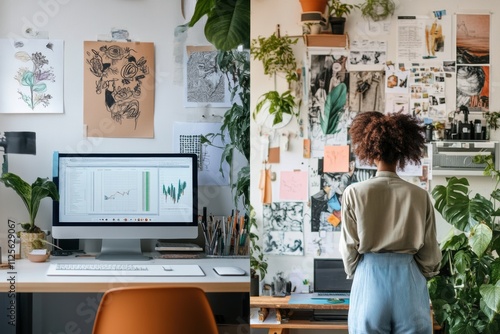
pixel 435 62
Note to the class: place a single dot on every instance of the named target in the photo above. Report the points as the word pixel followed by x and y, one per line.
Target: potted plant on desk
pixel 465 294
pixel 31 195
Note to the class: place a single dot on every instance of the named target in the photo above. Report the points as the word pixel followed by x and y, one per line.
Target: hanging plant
pixel 278 104
pixel 377 10
pixel 276 55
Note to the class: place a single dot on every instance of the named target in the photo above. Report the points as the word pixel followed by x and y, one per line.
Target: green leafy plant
pixel 337 8
pixel 276 55
pixel 31 195
pixel 235 129
pixel 377 10
pixel 227 25
pixel 278 105
pixel 466 294
pixel 258 264
pixel 492 118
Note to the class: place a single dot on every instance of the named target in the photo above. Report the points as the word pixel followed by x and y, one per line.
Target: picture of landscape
pixel 473 38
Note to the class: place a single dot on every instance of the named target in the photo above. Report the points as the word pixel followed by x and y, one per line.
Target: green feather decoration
pixel 334 107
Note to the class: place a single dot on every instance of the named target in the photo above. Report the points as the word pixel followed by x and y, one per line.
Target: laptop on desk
pixel 330 283
pixel 330 279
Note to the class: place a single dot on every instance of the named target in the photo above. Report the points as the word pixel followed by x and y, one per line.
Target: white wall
pixel 266 15
pixel 77 21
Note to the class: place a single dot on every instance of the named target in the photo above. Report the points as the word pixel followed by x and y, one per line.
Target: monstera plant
pixel 466 294
pixel 227 25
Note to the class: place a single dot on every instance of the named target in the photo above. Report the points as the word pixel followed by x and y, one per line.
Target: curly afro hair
pixel 392 138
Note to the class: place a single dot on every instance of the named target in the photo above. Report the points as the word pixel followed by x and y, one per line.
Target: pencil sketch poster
pixel 283 228
pixel 187 139
pixel 119 89
pixel 473 38
pixel 204 83
pixel 31 76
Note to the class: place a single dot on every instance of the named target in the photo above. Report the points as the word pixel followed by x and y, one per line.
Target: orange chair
pixel 155 310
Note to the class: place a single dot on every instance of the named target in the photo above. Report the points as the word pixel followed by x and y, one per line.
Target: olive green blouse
pixel 388 214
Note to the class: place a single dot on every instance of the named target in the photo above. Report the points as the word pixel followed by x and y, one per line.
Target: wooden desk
pixel 31 277
pixel 27 278
pixel 300 322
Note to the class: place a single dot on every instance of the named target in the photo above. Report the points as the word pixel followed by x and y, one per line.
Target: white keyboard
pixel 106 269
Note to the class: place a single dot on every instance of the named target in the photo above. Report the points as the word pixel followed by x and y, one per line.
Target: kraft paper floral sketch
pixel 119 89
pixel 31 79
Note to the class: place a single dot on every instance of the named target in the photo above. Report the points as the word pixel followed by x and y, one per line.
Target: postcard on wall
pixel 396 82
pixel 473 38
pixel 32 76
pixel 119 89
pixel 204 84
pixel 187 139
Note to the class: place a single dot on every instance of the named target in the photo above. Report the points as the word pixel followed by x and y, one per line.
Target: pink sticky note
pixel 336 159
pixel 293 186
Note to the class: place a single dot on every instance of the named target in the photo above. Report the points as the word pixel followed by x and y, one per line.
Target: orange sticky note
pixel 307 148
pixel 274 155
pixel 336 159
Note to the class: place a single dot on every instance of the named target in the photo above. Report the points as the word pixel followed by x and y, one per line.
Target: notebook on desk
pixel 330 279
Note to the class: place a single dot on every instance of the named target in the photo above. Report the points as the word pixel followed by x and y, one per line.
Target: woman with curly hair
pixel 388 240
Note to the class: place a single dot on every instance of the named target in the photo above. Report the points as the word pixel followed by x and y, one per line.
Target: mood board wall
pixel 291 230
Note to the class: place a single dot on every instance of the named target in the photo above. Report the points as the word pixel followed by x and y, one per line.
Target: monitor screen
pixel 330 276
pixel 126 197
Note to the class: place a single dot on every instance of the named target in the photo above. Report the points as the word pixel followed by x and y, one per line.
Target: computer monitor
pixel 122 198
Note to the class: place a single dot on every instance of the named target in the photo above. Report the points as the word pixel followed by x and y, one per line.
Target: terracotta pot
pixel 313 5
pixel 26 240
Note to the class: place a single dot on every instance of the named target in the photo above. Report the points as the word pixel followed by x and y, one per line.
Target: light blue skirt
pixel 389 295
